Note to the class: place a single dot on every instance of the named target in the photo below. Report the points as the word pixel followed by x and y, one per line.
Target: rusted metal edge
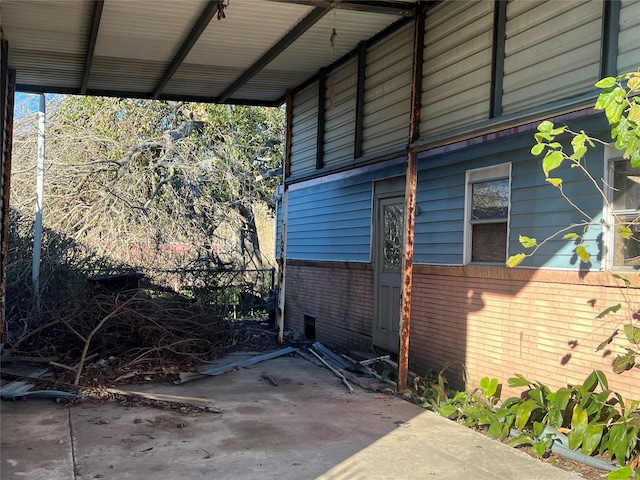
pixel 7 143
pixel 410 199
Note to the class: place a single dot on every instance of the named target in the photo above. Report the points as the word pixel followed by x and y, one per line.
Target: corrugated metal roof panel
pixel 273 83
pixel 143 31
pixel 46 39
pixel 314 49
pixel 137 76
pixel 63 70
pixel 261 23
pixel 200 80
pixel 140 46
pixel 59 26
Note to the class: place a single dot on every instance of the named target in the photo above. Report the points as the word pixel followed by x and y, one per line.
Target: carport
pixel 247 52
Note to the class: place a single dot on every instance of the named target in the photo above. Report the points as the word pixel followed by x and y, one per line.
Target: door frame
pixel 389 188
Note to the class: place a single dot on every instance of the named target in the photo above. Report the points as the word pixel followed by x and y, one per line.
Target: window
pixel 625 212
pixel 487 214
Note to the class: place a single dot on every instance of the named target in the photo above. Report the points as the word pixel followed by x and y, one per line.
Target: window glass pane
pixel 393 221
pixel 626 251
pixel 489 242
pixel 626 182
pixel 490 199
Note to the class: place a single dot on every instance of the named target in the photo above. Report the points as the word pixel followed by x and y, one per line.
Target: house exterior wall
pixel 499 322
pixel 340 114
pixel 387 101
pixel 536 210
pixel 338 295
pixel 304 131
pixel 456 82
pixel 331 219
pixel 479 109
pixel 563 38
pixel 629 36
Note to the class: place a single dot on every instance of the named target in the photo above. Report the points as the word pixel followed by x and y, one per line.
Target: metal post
pixel 410 198
pixel 407 268
pixel 37 239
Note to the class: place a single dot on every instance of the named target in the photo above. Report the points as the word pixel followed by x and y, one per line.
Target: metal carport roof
pixel 231 51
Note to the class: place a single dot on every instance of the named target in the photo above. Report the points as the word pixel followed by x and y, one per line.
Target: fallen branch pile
pixel 127 335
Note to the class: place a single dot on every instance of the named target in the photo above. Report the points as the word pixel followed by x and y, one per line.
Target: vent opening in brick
pixel 309 327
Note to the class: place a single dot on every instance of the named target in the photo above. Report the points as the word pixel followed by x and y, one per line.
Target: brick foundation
pixel 338 295
pixel 499 322
pixel 494 320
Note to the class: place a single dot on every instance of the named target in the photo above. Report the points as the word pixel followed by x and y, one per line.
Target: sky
pixel 26 103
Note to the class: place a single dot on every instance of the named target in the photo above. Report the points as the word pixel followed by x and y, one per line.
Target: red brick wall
pixel 499 322
pixel 340 297
pixel 494 320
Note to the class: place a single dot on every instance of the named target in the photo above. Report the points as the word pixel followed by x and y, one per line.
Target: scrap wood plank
pixel 213 370
pixel 202 403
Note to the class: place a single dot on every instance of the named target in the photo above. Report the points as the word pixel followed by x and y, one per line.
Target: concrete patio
pixel 307 426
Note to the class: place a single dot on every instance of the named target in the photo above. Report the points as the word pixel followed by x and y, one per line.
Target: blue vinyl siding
pixel 538 210
pixel 278 229
pixel 439 223
pixel 332 220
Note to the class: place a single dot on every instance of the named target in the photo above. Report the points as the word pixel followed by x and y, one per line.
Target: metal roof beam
pixel 28 88
pixel 405 9
pixel 91 47
pixel 296 32
pixel 203 21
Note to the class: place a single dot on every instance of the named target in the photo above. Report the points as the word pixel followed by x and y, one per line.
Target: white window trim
pixel 611 156
pixel 482 175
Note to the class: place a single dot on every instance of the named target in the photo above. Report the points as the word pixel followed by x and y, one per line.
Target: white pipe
pixel 37 239
pixel 283 268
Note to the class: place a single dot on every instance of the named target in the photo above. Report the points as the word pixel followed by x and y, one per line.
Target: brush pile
pixel 106 337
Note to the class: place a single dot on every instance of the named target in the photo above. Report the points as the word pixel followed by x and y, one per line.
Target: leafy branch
pixel 620 101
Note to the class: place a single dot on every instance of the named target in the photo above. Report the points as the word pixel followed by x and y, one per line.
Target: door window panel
pixel 393 217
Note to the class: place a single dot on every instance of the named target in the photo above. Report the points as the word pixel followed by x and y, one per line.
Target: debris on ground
pixel 106 341
pixel 213 370
pixel 362 373
pixel 114 335
pixel 12 390
pixel 270 378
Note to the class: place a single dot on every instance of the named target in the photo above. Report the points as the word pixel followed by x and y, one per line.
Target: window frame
pixel 479 175
pixel 612 157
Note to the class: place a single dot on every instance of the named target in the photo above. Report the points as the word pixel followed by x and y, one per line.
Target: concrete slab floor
pixel 308 426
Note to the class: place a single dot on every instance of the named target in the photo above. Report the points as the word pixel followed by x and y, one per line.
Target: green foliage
pixel 622 473
pixel 620 100
pixel 621 103
pixel 432 389
pixel 597 418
